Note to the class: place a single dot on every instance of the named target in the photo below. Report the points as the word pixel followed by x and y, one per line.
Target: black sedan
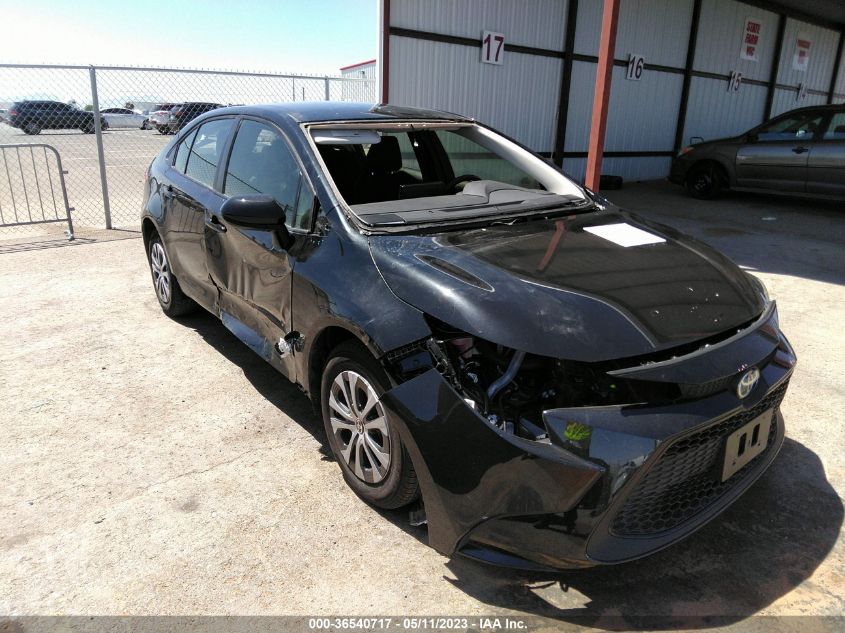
pixel 554 382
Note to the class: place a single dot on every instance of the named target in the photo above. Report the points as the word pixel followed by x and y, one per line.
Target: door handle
pixel 801 150
pixel 215 225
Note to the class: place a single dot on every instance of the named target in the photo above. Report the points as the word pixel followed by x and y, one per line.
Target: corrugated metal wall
pixel 521 96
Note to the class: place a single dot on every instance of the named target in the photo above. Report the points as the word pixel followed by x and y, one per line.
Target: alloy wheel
pixel 161 272
pixel 359 425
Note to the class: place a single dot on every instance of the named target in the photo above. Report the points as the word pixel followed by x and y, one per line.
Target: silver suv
pixel 801 151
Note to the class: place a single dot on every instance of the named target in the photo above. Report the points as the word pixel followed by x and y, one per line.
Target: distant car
pixel 159 117
pixel 34 116
pixel 188 111
pixel 124 118
pixel 801 151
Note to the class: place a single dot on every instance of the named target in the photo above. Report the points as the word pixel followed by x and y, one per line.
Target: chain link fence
pixel 109 122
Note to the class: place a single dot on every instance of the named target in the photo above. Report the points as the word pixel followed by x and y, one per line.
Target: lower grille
pixel 686 478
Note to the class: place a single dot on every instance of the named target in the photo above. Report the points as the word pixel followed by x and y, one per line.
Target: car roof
pixel 327 111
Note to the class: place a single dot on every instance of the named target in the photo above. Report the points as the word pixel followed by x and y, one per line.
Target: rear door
pixel 826 165
pixel 775 154
pixel 249 267
pixel 190 198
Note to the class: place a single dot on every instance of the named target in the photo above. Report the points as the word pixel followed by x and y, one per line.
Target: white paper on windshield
pixel 624 234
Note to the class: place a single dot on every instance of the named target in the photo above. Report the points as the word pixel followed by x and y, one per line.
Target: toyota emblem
pixel 747 382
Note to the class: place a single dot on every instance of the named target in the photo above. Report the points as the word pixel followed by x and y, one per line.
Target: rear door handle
pixel 800 150
pixel 215 225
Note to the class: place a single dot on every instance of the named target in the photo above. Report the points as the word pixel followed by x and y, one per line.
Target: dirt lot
pixel 159 467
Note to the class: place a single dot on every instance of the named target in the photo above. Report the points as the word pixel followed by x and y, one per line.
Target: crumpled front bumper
pixel 614 483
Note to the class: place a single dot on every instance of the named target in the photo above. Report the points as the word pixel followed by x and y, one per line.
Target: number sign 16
pixel 492 47
pixel 636 63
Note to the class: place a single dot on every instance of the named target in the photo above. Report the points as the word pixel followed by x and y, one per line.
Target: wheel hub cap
pixel 359 426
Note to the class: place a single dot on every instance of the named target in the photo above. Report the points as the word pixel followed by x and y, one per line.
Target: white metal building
pixel 674 64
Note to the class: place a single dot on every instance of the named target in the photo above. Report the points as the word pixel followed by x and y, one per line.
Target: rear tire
pixel 364 442
pixel 174 302
pixel 31 128
pixel 706 181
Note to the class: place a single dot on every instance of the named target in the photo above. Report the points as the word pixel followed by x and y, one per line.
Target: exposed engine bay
pixel 512 389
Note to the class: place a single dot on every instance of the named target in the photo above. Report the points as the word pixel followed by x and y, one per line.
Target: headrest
pixel 385 157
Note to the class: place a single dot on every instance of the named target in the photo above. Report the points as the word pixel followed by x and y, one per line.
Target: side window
pixel 798 127
pixel 262 162
pixel 206 149
pixel 182 152
pixel 836 130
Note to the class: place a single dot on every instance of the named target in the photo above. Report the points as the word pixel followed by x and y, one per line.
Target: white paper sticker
pixel 624 234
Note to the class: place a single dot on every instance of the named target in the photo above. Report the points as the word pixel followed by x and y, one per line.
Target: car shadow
pixel 274 387
pixel 766 544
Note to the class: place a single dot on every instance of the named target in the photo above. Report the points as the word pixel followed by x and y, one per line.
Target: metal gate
pixel 30 175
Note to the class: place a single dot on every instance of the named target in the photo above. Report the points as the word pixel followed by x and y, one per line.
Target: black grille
pixel 686 478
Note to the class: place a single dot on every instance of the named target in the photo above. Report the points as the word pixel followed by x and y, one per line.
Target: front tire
pixel 705 182
pixel 174 302
pixel 365 443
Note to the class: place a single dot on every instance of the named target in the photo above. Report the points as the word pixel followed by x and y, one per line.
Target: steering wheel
pixel 453 184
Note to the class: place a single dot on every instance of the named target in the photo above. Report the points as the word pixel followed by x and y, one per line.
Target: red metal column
pixel 601 98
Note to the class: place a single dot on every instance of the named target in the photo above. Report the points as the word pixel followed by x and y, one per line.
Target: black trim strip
pixel 469 41
pixel 685 89
pixel 773 73
pixel 633 154
pixel 565 84
pixel 837 65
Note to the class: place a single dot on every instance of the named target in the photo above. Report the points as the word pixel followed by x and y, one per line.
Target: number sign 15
pixel 492 47
pixel 636 63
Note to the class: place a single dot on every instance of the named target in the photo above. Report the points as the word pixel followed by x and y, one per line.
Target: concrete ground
pixel 159 467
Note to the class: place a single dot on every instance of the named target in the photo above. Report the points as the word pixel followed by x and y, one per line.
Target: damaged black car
pixel 551 381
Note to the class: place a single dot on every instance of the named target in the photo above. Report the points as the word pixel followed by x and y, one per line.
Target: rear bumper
pixel 633 481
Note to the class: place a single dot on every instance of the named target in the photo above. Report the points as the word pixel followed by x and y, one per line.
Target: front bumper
pixel 632 480
pixel 680 167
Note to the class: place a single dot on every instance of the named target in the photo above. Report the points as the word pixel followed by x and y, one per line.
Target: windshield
pixel 407 174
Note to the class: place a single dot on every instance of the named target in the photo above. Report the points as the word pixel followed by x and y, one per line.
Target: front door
pixel 775 155
pixel 249 267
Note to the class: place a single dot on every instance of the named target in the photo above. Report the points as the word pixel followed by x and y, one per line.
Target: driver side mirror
pixel 257 211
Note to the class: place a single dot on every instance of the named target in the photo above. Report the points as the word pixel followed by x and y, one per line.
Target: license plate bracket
pixel 746 443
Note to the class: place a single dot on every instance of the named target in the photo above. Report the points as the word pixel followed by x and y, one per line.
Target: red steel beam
pixel 601 97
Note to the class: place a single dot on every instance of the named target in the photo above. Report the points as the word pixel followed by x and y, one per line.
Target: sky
pixel 285 36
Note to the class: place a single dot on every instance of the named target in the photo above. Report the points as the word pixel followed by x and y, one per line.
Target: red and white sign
pixel 751 39
pixel 801 59
pixel 492 47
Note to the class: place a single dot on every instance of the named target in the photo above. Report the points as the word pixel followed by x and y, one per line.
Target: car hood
pixel 568 287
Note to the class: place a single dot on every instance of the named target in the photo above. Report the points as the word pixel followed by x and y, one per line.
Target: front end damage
pixel 536 462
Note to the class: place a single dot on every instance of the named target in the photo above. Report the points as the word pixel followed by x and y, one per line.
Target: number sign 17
pixel 492 47
pixel 636 63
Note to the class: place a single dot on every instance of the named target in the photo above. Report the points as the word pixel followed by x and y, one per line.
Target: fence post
pixel 327 89
pixel 100 154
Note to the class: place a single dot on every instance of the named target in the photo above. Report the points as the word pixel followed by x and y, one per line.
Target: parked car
pixel 562 383
pixel 184 113
pixel 801 151
pixel 34 116
pixel 124 118
pixel 159 117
